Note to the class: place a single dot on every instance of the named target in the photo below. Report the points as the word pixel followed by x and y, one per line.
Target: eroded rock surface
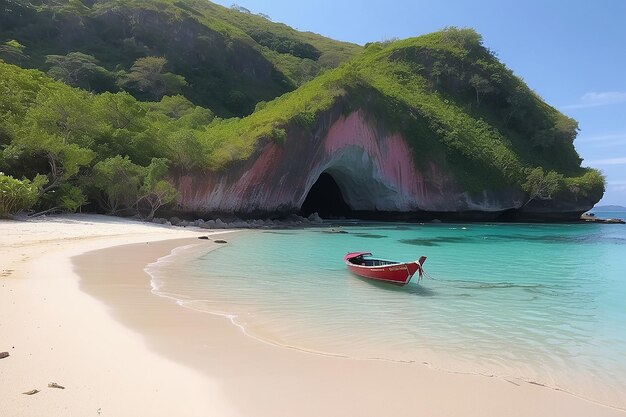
pixel 374 169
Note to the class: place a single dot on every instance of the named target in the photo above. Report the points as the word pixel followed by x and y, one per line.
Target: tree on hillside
pixel 566 129
pixel 184 112
pixel 156 191
pixel 64 160
pixel 464 38
pixel 563 131
pixel 67 114
pixel 56 131
pixel 67 7
pixel 481 86
pixel 542 185
pixel 79 70
pixel 123 185
pixel 239 8
pixel 148 75
pixel 173 106
pixel 12 52
pixel 118 180
pixel 64 164
pixel 519 100
pixel 119 111
pixel 184 150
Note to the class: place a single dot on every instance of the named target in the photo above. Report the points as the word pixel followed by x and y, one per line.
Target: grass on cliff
pixel 448 95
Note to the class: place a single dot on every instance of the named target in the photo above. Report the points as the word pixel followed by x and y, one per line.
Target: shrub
pixel 589 185
pixel 279 135
pixel 71 198
pixel 16 195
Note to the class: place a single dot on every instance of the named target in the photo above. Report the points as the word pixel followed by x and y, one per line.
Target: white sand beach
pixel 76 308
pixel 56 333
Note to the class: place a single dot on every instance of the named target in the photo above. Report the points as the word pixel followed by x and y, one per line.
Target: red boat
pixel 398 273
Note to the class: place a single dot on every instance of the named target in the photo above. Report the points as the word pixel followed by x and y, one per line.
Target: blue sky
pixel 572 53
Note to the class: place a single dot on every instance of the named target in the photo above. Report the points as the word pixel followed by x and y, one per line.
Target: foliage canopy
pixel 219 58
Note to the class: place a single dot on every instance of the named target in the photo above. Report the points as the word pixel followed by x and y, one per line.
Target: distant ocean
pixel 541 303
pixel 609 214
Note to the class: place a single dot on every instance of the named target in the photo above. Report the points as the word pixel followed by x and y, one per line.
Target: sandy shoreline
pixel 122 350
pixel 54 332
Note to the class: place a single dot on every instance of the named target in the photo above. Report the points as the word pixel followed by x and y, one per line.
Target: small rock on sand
pixel 203 237
pixel 4 355
pixel 55 385
pixel 220 241
pixel 31 392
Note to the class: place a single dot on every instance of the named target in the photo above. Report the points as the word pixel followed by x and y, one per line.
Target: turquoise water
pixel 538 303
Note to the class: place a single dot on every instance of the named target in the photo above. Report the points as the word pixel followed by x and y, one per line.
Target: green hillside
pixel 456 104
pixel 300 55
pixel 228 60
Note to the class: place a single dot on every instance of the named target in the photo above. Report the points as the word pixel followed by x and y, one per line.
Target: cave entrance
pixel 326 199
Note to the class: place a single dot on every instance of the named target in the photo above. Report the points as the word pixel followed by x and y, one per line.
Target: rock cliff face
pixel 375 171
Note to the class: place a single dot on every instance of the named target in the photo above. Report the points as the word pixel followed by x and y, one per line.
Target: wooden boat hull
pixel 398 273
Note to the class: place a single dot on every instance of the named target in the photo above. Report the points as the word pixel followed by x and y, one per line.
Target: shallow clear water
pixel 541 303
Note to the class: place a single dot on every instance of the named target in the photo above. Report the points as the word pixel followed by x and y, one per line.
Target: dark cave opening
pixel 326 199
